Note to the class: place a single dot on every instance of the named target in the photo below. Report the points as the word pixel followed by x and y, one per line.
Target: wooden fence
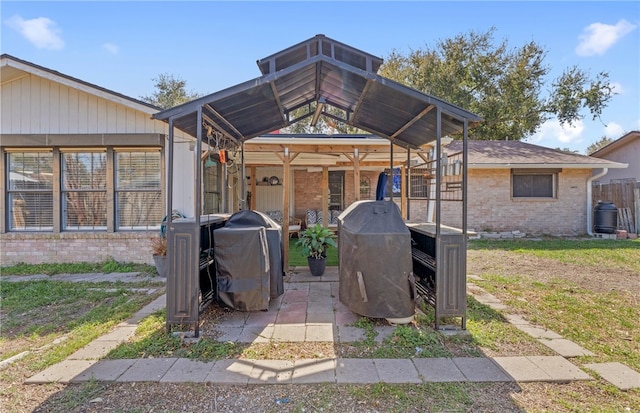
pixel 626 196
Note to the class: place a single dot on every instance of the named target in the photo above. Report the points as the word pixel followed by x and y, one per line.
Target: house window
pixel 84 191
pixel 534 184
pixel 336 190
pixel 138 190
pixel 101 189
pixel 30 191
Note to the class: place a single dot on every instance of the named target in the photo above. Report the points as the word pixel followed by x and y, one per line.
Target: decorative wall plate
pixel 274 180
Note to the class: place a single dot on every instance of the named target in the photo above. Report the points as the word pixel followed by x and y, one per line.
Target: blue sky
pixel 123 45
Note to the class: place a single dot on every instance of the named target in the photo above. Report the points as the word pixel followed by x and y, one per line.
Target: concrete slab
pixel 356 371
pixel 233 319
pixel 319 332
pixel 350 334
pixel 95 350
pixel 537 332
pixel 320 317
pixel 565 347
pixel 291 317
pixel 150 370
pixel 188 371
pixel 320 306
pixel 521 369
pixel 438 370
pixel 617 374
pixel 559 368
pixel 289 332
pixel 312 371
pixel 271 372
pixel 481 369
pixel 497 306
pixel 122 332
pixel 254 334
pixel 104 370
pixel 229 333
pixel 516 319
pixel 230 372
pixel 396 371
pixel 62 372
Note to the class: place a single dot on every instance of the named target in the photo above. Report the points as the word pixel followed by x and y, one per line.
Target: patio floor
pixel 309 310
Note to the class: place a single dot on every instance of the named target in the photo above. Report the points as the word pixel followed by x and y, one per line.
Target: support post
pixel 325 196
pixel 253 188
pixel 286 184
pixel 356 174
pixel 403 192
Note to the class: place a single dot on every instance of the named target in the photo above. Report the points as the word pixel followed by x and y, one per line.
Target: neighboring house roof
pixel 12 68
pixel 517 154
pixel 618 143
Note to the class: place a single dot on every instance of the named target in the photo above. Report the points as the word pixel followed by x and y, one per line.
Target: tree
pixel 170 92
pixel 568 150
pixel 599 144
pixel 503 85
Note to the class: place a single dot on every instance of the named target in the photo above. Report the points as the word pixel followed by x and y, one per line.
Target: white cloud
pixel 110 47
pixel 613 130
pixel 42 32
pixel 552 134
pixel 597 38
pixel 617 88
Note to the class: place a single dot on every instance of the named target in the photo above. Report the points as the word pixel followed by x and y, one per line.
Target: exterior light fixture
pixel 319 108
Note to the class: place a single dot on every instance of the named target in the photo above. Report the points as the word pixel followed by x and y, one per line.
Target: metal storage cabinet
pixel 191 268
pixel 439 265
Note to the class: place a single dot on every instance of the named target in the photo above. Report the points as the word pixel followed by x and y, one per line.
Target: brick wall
pixel 37 248
pixel 491 208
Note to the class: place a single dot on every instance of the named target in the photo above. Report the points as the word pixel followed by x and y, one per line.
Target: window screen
pixel 139 202
pixel 84 191
pixel 30 191
pixel 533 185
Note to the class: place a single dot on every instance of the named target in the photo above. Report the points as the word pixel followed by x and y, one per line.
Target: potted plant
pixel 159 252
pixel 314 241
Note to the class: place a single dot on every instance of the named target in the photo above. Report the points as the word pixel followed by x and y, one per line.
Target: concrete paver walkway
pixel 309 310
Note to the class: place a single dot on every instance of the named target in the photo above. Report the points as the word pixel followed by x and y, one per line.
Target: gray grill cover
pixel 242 267
pixel 248 218
pixel 376 269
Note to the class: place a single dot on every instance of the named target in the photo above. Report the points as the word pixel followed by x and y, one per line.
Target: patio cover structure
pixel 303 81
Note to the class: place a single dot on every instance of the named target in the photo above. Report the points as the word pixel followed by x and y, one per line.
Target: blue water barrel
pixel 605 217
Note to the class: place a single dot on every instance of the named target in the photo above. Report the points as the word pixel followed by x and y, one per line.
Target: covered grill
pixel 374 245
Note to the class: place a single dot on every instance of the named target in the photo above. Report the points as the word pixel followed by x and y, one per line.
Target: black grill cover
pixel 374 250
pixel 248 218
pixel 242 267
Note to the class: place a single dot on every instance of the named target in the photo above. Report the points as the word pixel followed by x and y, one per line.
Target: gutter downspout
pixel 589 201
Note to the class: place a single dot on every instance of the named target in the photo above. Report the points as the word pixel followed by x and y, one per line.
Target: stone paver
pixel 350 334
pixel 289 332
pixel 480 369
pixel 537 332
pixel 95 350
pixel 319 332
pixel 147 370
pixel 438 370
pixel 396 371
pixel 617 374
pixel 122 332
pixel 522 369
pixel 565 347
pixel 230 372
pixel 104 370
pixel 229 333
pixel 63 372
pixel 356 371
pixel 256 334
pixel 516 319
pixel 310 371
pixel 187 371
pixel 559 368
pixel 271 372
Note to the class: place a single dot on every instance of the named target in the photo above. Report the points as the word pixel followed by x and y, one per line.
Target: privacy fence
pixel 625 194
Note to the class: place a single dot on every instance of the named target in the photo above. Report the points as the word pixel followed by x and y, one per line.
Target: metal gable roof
pixel 317 73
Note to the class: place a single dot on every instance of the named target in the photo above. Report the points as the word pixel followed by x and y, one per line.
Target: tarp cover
pixel 376 278
pixel 242 267
pixel 248 218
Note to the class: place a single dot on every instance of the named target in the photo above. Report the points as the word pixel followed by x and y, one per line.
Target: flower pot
pixel 161 264
pixel 317 265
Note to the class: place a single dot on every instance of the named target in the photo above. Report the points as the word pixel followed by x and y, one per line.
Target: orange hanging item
pixel 223 156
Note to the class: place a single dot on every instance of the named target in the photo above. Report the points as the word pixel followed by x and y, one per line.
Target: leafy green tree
pixel 503 85
pixel 599 144
pixel 170 91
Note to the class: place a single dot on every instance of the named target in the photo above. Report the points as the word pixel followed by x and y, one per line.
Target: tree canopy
pixel 599 144
pixel 503 85
pixel 170 91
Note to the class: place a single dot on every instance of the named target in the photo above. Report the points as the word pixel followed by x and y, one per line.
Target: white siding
pixel 34 105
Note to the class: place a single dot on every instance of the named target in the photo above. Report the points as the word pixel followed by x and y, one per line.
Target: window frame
pixel 553 173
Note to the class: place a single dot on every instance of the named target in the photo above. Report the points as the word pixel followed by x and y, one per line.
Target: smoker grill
pixel 374 245
pixel 247 218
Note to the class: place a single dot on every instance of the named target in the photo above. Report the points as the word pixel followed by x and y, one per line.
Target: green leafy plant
pixel 315 241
